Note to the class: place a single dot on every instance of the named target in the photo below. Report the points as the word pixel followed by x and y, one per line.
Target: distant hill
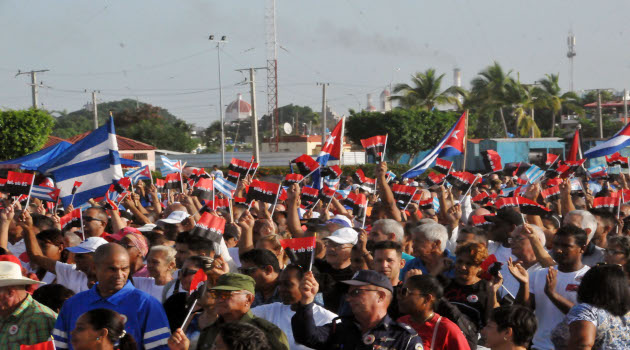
pixel 136 120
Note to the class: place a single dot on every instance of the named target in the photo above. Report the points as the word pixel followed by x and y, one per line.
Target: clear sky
pixel 158 51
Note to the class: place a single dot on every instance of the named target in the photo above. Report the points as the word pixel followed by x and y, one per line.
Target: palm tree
pixel 524 102
pixel 551 98
pixel 489 90
pixel 426 92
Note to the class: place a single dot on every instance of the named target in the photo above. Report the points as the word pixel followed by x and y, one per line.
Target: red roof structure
pixel 610 104
pixel 124 143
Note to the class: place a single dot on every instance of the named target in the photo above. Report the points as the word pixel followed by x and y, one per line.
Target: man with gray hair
pixel 429 249
pixel 588 222
pixel 388 230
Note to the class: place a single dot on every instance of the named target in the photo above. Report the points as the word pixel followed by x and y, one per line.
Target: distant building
pixel 386 101
pixel 306 144
pixel 238 110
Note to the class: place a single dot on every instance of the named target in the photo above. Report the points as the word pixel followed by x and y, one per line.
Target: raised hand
pixel 309 288
pixel 552 281
pixel 518 271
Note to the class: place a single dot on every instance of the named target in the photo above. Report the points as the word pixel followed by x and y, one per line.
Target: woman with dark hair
pixel 511 327
pixel 618 252
pixel 52 295
pixel 420 296
pixel 102 329
pixel 240 336
pixel 601 319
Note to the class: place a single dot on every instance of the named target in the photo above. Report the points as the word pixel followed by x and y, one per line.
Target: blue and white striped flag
pixel 42 192
pixel 436 205
pixel 533 173
pixel 142 173
pixel 170 166
pixel 94 161
pixel 332 183
pixel 224 186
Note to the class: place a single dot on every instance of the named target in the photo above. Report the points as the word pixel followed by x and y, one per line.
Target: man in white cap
pixel 337 264
pixel 77 277
pixel 23 321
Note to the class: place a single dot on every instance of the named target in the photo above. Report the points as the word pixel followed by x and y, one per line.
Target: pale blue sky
pixel 158 50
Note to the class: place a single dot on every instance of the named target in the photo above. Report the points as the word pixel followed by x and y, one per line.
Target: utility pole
pixel 625 106
pixel 252 87
pixel 95 108
pixel 219 42
pixel 599 113
pixel 323 112
pixel 34 90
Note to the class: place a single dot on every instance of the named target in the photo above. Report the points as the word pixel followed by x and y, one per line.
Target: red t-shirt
pixel 448 337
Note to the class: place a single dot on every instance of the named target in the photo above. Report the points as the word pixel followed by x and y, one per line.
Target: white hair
pixel 169 252
pixel 537 231
pixel 391 226
pixel 588 221
pixel 434 232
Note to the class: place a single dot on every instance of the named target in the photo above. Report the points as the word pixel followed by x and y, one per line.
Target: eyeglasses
pixel 357 292
pixel 188 272
pixel 248 270
pixel 403 292
pixel 333 245
pixel 90 219
pixel 223 294
pixel 516 240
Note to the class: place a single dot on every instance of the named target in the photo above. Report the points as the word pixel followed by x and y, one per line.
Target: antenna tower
pixel 570 54
pixel 272 72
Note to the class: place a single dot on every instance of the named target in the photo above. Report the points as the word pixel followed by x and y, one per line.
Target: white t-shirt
pixel 18 248
pixel 70 277
pixel 147 284
pixel 280 315
pixel 547 314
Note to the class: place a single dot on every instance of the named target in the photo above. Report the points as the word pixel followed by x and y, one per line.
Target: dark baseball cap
pixel 506 215
pixel 235 282
pixel 369 277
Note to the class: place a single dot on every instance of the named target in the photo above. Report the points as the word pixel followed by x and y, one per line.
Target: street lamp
pixel 223 40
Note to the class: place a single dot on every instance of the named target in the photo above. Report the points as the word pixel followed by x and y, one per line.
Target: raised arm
pixel 293 218
pixel 33 249
pixel 386 194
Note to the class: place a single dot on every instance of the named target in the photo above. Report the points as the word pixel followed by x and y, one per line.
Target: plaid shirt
pixel 30 323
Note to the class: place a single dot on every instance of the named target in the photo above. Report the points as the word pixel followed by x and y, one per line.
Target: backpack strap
pixel 437 325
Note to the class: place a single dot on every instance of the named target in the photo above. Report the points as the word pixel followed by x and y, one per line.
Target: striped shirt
pixel 29 324
pixel 146 319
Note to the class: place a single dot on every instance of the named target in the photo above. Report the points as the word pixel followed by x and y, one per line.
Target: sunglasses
pixel 403 292
pixel 188 272
pixel 358 292
pixel 248 270
pixel 90 219
pixel 222 294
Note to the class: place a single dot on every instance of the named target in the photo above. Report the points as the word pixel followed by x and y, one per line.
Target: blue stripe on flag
pixel 224 186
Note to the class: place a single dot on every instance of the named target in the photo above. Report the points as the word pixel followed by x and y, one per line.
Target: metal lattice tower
pixel 570 54
pixel 272 71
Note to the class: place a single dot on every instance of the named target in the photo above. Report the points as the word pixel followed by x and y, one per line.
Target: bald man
pixel 146 319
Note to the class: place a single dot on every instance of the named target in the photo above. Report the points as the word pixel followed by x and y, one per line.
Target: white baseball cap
pixel 175 217
pixel 344 235
pixel 87 246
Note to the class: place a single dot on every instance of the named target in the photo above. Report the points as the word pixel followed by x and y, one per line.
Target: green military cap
pixel 235 281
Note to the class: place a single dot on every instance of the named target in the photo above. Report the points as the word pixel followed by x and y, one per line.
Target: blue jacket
pixel 416 263
pixel 146 319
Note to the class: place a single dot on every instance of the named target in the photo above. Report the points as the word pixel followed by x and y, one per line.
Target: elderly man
pixel 23 321
pixel 388 230
pixel 587 222
pixel 146 320
pixel 280 313
pixel 370 327
pixel 234 294
pixel 429 249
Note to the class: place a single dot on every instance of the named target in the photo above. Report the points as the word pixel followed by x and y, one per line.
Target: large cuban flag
pixel 330 151
pixel 94 161
pixel 614 144
pixel 452 144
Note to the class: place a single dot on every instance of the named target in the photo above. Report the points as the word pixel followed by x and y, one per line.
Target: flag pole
pixel 192 307
pixel 310 264
pixel 465 142
pixel 384 148
pixel 307 175
pixel 406 205
pixel 343 130
pixel 231 212
pixel 30 189
pixel 82 227
pixel 276 201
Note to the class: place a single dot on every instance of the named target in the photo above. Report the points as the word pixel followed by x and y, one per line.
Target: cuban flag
pixel 452 144
pixel 614 144
pixel 170 166
pixel 533 174
pixel 44 193
pixel 224 186
pixel 142 173
pixel 94 161
pixel 597 171
pixel 330 151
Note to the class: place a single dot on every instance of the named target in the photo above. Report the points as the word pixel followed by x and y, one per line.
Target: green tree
pixel 23 132
pixel 489 92
pixel 551 98
pixel 425 92
pixel 409 130
pixel 292 114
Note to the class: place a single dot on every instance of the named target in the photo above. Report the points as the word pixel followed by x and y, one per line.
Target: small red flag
pixel 197 279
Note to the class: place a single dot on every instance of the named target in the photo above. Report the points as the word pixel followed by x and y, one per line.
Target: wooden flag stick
pixel 307 175
pixel 310 264
pixel 82 227
pixel 28 199
pixel 276 201
pixel 192 307
pixel 384 148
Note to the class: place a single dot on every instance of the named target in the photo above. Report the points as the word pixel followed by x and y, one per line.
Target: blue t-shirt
pixel 416 263
pixel 146 319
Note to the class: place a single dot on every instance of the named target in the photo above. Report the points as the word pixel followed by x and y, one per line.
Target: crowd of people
pixel 465 273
